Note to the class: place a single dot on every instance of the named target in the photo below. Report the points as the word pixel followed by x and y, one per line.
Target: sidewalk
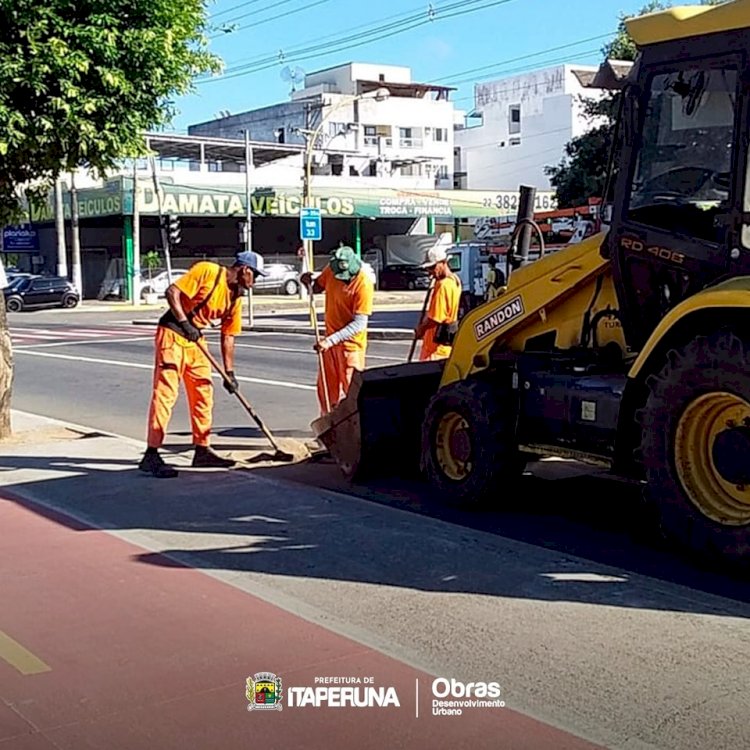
pixel 143 635
pixel 121 643
pixel 265 303
pixel 275 324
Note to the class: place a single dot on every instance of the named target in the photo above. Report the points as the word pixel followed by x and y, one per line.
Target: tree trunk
pixel 6 372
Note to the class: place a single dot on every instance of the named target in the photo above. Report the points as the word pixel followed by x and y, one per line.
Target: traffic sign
pixel 310 224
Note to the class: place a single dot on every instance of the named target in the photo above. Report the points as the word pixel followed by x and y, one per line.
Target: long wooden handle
pixel 321 365
pixel 421 317
pixel 248 406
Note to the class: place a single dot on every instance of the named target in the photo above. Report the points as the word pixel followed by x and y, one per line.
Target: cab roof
pixel 687 21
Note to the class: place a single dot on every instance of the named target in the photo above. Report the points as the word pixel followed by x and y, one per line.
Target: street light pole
pixel 76 236
pixel 248 218
pixel 62 253
pixel 136 239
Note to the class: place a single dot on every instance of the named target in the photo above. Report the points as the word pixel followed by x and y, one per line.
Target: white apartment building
pixel 520 125
pixel 378 123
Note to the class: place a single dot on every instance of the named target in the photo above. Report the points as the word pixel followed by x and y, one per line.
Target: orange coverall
pixel 443 308
pixel 179 359
pixel 343 302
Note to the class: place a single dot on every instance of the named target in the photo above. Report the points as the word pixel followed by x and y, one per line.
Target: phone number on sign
pixel 509 202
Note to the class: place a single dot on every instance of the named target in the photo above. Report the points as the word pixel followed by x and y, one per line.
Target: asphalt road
pixel 102 375
pixel 95 370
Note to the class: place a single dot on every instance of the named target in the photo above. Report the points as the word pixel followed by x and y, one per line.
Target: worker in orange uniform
pixel 440 322
pixel 208 291
pixel 349 295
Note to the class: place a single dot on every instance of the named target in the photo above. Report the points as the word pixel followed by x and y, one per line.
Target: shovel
pixel 421 317
pixel 321 366
pixel 280 454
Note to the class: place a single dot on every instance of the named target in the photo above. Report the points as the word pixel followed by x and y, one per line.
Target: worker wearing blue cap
pixel 208 291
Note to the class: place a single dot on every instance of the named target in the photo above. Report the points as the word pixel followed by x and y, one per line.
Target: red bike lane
pixel 101 650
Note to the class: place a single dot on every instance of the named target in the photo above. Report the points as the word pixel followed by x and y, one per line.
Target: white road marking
pixel 102 340
pixel 63 336
pixel 141 366
pixel 47 331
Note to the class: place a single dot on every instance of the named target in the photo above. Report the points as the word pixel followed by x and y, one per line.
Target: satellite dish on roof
pixel 293 76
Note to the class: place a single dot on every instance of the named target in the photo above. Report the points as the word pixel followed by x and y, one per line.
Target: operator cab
pixel 681 200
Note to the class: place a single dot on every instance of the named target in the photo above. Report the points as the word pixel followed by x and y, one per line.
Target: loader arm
pixel 551 295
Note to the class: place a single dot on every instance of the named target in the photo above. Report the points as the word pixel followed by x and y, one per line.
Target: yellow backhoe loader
pixel 630 349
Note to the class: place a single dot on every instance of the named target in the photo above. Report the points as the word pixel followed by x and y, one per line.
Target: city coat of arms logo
pixel 263 691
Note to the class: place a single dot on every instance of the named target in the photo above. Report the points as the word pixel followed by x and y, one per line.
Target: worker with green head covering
pixel 349 295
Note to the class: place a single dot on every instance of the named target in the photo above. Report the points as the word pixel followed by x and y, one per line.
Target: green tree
pixel 582 172
pixel 79 83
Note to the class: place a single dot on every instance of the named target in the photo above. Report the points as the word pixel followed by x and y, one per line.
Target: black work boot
pixel 205 458
pixel 152 463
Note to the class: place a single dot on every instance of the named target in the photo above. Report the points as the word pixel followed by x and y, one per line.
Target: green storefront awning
pixel 115 198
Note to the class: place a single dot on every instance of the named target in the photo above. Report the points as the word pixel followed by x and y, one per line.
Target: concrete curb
pixel 374 334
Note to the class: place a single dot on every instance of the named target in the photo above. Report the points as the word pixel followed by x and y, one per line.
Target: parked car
pixel 404 277
pixel 17 276
pixel 282 279
pixel 159 283
pixel 40 291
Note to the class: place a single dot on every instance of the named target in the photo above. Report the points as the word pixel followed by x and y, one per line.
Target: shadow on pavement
pixel 249 521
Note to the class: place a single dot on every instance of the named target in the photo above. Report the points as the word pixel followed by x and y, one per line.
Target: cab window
pixel 682 177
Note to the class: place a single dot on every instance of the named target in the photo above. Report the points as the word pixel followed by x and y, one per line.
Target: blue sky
pixel 487 34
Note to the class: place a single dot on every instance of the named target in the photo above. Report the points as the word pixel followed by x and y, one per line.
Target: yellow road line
pixel 19 657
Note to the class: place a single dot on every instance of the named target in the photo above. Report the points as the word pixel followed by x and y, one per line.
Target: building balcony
pixel 410 142
pixel 372 141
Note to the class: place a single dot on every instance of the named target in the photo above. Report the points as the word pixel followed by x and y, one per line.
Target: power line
pixel 408 18
pixel 235 7
pixel 377 34
pixel 275 17
pixel 450 77
pixel 253 12
pixel 301 47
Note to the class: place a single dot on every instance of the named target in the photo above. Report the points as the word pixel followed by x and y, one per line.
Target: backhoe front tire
pixel 469 449
pixel 701 396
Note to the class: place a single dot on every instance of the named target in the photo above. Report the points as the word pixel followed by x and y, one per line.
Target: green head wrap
pixel 345 264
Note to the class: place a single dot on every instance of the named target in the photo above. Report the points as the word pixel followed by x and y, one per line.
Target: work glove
pixel 231 385
pixel 191 332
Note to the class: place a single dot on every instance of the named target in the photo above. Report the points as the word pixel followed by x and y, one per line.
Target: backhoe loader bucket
pixel 376 429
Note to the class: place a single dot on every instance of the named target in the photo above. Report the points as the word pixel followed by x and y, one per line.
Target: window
pixel 514 118
pixel 515 141
pixel 41 285
pixel 442 172
pixel 454 262
pixel 682 176
pixel 441 134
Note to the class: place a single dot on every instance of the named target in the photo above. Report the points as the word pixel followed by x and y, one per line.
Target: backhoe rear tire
pixel 701 393
pixel 469 449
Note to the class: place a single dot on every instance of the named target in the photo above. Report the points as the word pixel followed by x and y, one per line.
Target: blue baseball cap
pixel 252 260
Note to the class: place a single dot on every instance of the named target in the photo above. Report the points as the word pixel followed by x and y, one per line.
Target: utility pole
pixel 162 226
pixel 248 218
pixel 62 252
pixel 76 256
pixel 136 238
